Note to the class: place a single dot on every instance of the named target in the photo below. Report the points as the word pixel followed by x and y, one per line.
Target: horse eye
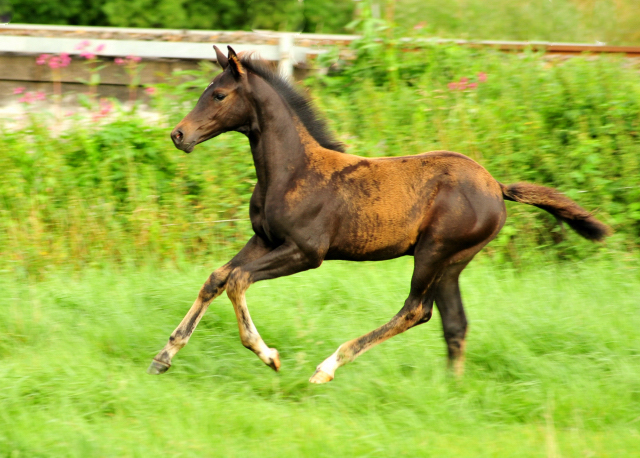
pixel 219 96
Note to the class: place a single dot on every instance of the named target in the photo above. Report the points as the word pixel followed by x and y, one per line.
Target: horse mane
pixel 299 103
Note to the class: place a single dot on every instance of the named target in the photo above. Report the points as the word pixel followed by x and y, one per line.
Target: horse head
pixel 223 106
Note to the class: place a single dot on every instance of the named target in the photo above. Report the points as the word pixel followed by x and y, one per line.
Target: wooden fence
pixel 165 50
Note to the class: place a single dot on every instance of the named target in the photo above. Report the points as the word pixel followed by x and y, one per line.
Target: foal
pixel 313 202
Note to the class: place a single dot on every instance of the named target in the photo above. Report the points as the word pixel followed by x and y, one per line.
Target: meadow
pixel 552 367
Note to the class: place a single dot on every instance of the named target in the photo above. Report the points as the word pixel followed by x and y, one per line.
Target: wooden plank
pixel 24 68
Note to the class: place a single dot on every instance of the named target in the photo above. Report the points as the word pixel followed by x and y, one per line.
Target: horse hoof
pixel 157 367
pixel 320 376
pixel 274 361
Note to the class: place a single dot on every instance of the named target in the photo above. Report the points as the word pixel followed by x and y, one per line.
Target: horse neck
pixel 275 141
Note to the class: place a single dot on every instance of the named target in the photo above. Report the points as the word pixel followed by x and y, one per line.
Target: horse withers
pixel 312 202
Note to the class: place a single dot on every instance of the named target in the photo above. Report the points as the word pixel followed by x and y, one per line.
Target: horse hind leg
pixel 417 309
pixel 439 257
pixel 412 312
pixel 454 321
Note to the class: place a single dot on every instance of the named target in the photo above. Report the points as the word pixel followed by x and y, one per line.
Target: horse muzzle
pixel 181 141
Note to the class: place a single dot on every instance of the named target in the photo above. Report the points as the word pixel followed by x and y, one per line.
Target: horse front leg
pixel 287 259
pixel 213 287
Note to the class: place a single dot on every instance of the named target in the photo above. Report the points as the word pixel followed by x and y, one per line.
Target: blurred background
pixel 611 21
pixel 107 231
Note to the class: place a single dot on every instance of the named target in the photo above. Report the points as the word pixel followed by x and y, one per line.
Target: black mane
pixel 299 103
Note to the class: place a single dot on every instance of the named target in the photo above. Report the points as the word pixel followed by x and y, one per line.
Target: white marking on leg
pixel 330 364
pixel 327 368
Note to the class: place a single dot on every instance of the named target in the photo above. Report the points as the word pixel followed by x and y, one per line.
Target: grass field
pixel 553 366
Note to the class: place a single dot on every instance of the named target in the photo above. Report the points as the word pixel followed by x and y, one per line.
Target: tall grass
pixel 552 366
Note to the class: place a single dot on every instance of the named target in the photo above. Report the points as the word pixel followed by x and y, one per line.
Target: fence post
pixel 285 49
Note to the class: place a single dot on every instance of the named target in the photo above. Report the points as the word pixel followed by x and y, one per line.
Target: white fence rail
pixel 288 49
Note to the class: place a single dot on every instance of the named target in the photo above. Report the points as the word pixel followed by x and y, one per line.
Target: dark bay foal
pixel 314 202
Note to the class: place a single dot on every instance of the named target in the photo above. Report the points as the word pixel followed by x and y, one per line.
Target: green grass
pixel 553 366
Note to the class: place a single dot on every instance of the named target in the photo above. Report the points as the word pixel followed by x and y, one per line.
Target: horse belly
pixel 374 237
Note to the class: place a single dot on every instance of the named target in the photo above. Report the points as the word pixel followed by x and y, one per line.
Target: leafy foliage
pixel 119 190
pixel 69 12
pixel 586 21
pixel 285 15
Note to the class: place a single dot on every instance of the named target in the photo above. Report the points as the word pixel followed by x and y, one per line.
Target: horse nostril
pixel 177 136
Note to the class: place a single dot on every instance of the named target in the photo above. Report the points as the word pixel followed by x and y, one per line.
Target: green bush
pixel 121 191
pixel 69 12
pixel 287 15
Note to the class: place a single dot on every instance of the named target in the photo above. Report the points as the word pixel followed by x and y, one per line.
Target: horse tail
pixel 560 206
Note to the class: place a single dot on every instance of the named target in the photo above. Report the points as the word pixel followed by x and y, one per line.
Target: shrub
pixel 118 189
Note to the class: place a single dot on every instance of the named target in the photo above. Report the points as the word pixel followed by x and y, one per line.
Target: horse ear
pixel 222 59
pixel 234 63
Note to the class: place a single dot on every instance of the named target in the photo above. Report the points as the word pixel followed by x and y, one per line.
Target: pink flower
pixel 65 59
pixel 150 90
pixel 55 62
pixel 42 59
pixel 83 44
pixel 119 61
pixel 100 48
pixel 40 95
pixel 105 107
pixel 135 59
pixel 87 55
pixel 27 98
pixel 461 85
pixel 19 90
pixel 482 77
pixel 69 113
